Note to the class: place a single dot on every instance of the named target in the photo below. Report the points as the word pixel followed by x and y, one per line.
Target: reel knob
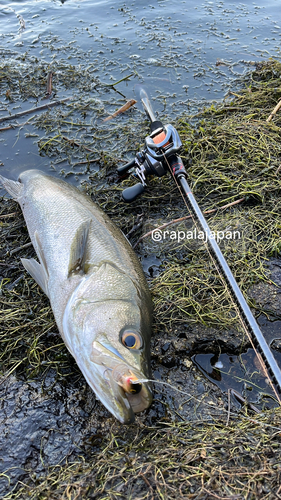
pixel 131 193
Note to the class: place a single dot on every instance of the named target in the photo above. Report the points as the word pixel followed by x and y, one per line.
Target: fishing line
pixel 223 281
pixel 201 401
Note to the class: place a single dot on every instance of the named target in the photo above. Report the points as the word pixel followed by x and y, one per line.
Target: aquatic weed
pixel 231 152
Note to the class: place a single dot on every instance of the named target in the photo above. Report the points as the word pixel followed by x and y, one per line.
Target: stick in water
pixel 49 84
pixel 34 110
pixel 124 108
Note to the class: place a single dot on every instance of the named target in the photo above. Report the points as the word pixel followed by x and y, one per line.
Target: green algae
pixel 201 460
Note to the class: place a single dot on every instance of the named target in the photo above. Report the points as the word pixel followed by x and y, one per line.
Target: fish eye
pixel 131 339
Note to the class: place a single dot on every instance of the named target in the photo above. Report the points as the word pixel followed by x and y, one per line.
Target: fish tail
pixel 14 188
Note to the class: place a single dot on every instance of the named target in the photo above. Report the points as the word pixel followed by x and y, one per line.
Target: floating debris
pixel 124 108
pixel 34 110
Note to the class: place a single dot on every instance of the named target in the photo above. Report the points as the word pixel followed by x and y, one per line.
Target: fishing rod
pixel 160 156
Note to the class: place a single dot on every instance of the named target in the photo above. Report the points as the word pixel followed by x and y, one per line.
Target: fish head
pixel 110 342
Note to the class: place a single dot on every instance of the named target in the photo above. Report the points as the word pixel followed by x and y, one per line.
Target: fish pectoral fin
pixel 38 273
pixel 14 188
pixel 78 249
pixel 121 399
pixel 41 256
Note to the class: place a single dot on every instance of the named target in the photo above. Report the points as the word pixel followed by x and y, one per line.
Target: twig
pixel 124 108
pixel 85 162
pixel 175 221
pixel 49 84
pixel 119 81
pixel 8 215
pixel 20 248
pixel 34 110
pixel 228 409
pixel 15 125
pixel 8 128
pixel 233 497
pixel 145 479
pixel 78 145
pixel 242 400
pixel 277 107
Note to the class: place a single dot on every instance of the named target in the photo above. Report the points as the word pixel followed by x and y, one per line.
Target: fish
pixel 124 108
pixel 96 286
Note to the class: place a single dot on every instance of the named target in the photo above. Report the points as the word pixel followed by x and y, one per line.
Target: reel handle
pixel 131 193
pixel 122 170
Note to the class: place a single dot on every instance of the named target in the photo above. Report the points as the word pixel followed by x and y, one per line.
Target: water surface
pixel 186 53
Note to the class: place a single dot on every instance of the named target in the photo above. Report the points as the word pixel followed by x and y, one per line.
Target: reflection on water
pixel 243 373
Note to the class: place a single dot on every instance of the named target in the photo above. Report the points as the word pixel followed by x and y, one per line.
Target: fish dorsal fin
pixel 14 188
pixel 78 249
pixel 38 273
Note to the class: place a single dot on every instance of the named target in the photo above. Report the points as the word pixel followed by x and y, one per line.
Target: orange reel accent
pixel 159 138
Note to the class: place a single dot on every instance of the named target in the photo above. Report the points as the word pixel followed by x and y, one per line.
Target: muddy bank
pixel 57 441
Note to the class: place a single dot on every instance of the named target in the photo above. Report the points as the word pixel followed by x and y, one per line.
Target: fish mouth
pixel 130 388
pixel 125 389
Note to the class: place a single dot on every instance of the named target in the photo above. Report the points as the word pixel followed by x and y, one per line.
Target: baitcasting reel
pixel 159 155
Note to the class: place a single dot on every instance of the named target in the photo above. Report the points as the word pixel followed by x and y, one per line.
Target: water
pixel 186 53
pixel 176 44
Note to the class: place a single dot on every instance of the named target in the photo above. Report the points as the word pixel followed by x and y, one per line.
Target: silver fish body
pixel 96 286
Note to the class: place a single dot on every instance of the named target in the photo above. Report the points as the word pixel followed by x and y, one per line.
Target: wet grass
pixel 230 152
pixel 172 461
